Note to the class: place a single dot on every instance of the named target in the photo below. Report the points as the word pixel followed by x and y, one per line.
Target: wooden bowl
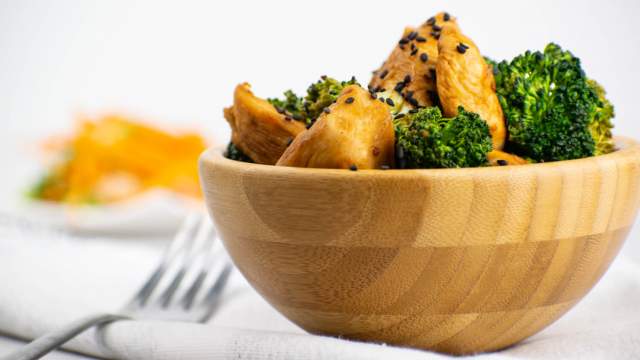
pixel 452 260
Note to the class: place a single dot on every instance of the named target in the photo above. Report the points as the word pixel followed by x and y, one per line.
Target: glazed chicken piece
pixel 257 128
pixel 501 158
pixel 410 68
pixel 356 132
pixel 465 79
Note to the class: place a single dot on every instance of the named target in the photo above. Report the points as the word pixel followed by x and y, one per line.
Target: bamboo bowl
pixel 454 260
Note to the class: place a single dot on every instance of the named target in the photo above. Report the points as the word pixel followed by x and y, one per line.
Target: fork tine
pixel 205 266
pixel 214 294
pixel 202 239
pixel 176 247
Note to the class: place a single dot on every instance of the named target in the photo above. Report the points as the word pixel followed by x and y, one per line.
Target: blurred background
pixel 174 64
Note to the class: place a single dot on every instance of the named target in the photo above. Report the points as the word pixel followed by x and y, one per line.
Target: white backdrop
pixel 177 62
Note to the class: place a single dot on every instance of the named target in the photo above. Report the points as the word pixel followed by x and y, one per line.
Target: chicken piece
pixel 258 130
pixel 355 132
pixel 501 158
pixel 465 79
pixel 410 68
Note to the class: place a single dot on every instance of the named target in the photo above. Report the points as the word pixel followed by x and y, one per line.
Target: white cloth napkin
pixel 47 280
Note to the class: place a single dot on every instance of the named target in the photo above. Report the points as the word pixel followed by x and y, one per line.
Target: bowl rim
pixel 624 146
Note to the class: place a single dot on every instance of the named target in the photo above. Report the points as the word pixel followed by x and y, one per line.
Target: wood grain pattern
pixel 454 260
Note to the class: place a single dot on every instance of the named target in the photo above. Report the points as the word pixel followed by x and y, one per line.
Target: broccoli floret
pixel 320 94
pixel 234 153
pixel 292 104
pixel 548 104
pixel 424 139
pixel 601 124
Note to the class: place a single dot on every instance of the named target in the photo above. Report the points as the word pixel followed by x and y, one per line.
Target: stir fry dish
pixel 436 102
pixel 115 158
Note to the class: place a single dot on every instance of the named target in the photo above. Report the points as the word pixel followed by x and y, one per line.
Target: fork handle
pixel 54 339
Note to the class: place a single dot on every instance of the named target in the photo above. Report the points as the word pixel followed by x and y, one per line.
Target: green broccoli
pixel 549 105
pixel 320 94
pixel 234 153
pixel 601 125
pixel 424 139
pixel 292 104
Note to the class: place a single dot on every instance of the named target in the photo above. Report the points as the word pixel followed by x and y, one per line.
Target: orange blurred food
pixel 115 158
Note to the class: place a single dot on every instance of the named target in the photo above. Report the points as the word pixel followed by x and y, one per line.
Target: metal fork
pixel 175 290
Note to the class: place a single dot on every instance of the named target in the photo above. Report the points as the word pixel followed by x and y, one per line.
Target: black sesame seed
pixel 415 51
pixel 399 116
pixel 382 89
pixel 381 99
pixel 353 167
pixel 389 102
pixel 446 17
pixel 413 46
pixel 399 87
pixel 373 95
pixel 409 94
pixel 421 39
pixel 407 79
pixel 309 125
pixel 436 27
pixel 413 101
pixel 412 35
pixel 323 77
pixel 349 100
pixel 464 45
pixel 401 47
pixel 288 118
pixel 502 162
pixel 461 49
pixel 403 41
pixel 435 35
pixel 326 110
pixel 424 57
pixel 431 21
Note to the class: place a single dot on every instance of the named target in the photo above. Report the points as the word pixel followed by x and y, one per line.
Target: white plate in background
pixel 154 212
